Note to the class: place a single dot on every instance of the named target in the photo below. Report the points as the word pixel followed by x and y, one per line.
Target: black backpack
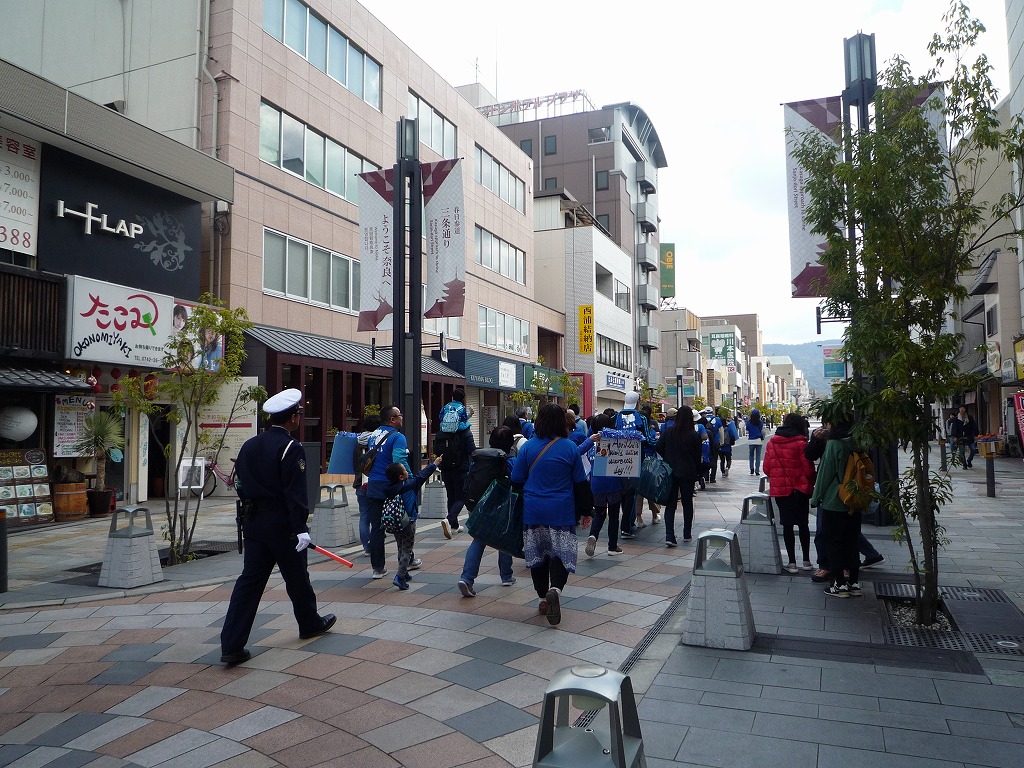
pixel 489 464
pixel 449 444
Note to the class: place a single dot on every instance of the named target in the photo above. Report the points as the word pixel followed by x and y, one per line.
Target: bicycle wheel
pixel 209 485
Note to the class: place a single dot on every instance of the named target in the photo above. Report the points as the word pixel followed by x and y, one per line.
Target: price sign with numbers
pixel 19 192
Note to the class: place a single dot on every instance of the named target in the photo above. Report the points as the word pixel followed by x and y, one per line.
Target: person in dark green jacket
pixel 841 529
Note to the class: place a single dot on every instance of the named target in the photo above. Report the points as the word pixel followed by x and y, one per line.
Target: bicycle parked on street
pixel 212 473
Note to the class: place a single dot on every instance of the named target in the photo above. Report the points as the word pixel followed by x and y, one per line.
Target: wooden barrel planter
pixel 69 502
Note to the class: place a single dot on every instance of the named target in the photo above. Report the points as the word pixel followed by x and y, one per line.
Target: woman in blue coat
pixel 547 468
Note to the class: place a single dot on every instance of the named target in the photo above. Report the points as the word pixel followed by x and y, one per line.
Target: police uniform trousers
pixel 268 542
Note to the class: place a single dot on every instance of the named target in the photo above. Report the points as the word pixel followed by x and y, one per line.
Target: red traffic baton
pixel 333 556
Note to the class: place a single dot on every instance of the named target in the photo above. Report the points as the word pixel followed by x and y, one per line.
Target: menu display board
pixel 69 424
pixel 25 487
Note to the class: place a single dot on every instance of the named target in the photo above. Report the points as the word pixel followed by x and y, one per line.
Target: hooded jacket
pixel 785 464
pixel 830 474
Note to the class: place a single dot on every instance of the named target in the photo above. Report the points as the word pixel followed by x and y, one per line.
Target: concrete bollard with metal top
pixel 132 557
pixel 718 612
pixel 591 687
pixel 434 501
pixel 765 487
pixel 331 525
pixel 760 537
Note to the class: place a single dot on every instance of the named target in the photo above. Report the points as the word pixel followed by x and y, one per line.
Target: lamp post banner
pixel 376 250
pixel 805 247
pixel 1018 406
pixel 445 262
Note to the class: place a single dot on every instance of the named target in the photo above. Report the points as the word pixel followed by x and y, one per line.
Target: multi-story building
pixel 608 159
pixel 682 355
pixel 726 350
pixel 299 98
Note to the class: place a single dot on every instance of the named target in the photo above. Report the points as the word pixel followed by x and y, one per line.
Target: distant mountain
pixel 809 359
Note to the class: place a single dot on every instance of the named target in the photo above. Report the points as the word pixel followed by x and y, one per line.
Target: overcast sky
pixel 712 77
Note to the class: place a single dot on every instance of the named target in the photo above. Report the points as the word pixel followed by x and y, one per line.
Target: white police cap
pixel 282 401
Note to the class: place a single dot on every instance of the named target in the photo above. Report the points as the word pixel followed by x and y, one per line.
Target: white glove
pixel 304 541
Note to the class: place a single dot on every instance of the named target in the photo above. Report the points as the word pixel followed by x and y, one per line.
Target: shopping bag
pixel 497 518
pixel 655 483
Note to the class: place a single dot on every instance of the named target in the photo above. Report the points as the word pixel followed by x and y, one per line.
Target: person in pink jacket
pixel 791 476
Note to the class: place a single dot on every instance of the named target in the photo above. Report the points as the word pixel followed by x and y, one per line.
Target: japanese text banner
pixel 445 258
pixel 376 250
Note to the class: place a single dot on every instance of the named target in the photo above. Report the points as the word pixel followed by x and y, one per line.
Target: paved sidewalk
pixel 99 677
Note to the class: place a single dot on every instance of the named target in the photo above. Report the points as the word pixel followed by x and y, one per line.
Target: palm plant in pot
pixel 102 432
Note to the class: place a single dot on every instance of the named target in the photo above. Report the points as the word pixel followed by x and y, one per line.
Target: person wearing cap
pixel 271 483
pixel 670 417
pixel 392 448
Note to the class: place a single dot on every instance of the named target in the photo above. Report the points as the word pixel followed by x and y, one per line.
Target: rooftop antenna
pixel 476 69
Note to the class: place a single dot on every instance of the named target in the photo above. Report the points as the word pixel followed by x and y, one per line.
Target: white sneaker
pixel 791 567
pixel 415 565
pixel 591 546
pixel 379 574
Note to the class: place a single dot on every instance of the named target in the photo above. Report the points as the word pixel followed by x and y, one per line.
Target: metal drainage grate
pixel 586 718
pixel 886 589
pixel 976 642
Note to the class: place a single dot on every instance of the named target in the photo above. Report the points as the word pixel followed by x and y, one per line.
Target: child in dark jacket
pixel 402 485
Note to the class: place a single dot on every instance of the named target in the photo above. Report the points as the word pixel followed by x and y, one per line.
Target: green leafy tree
pixel 913 190
pixel 191 382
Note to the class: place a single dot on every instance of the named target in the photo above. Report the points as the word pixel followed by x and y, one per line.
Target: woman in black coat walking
pixel 680 446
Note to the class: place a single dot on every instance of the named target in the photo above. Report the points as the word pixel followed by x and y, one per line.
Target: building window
pixel 550 145
pixel 992 321
pixel 550 184
pixel 305 272
pixel 504 332
pixel 622 296
pixel 17 259
pixel 596 135
pixel 289 144
pixel 495 254
pixel 605 221
pixel 601 179
pixel 614 354
pixel 527 146
pixel 499 179
pixel 436 131
pixel 323 46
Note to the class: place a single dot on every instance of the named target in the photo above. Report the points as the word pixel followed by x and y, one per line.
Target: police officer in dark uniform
pixel 271 472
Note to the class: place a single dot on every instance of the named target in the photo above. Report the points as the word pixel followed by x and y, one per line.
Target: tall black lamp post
pixel 408 318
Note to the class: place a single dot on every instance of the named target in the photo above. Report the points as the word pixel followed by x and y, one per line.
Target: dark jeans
pixel 550 573
pixel 714 461
pixel 611 514
pixel 455 488
pixel 842 531
pixel 364 519
pixel 681 489
pixel 628 505
pixel 374 507
pixel 725 460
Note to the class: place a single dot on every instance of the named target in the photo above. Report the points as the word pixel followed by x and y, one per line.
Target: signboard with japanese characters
pixel 617 458
pixel 723 346
pixel 444 225
pixel 19 192
pixel 110 323
pixel 586 329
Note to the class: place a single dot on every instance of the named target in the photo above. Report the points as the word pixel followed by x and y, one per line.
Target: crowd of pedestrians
pixel 543 471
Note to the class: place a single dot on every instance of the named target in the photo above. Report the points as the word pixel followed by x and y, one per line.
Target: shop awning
pixel 40 379
pixel 339 350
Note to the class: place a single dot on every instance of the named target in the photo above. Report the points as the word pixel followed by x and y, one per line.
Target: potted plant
pixel 102 432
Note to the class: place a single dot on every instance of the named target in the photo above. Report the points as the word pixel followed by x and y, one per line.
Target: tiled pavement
pixel 426 677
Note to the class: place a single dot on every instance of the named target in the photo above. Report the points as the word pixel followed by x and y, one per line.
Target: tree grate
pixel 885 589
pixel 975 642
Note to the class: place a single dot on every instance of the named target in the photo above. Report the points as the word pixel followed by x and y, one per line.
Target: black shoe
pixel 872 561
pixel 820 576
pixel 835 589
pixel 234 659
pixel 624 535
pixel 329 620
pixel 554 607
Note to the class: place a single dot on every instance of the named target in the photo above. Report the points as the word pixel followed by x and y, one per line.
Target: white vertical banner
pixel 445 258
pixel 377 250
pixel 805 248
